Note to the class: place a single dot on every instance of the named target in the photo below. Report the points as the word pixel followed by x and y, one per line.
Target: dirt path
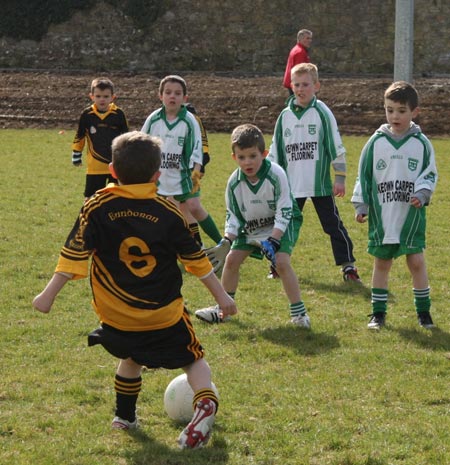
pixel 53 99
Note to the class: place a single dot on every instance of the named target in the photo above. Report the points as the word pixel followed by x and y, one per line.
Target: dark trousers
pixel 332 225
pixel 94 182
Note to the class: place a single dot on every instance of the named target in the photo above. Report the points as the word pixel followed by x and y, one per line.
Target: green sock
pixel 297 309
pixel 210 229
pixel 379 300
pixel 422 300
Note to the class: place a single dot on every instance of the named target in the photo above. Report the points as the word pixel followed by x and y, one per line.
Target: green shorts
pixel 388 251
pixel 183 197
pixel 288 240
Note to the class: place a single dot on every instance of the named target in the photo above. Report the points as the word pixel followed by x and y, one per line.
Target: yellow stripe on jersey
pixel 106 280
pixel 194 346
pixel 126 318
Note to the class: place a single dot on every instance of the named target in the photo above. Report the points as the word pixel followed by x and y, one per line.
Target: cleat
pixel 120 423
pixel 350 273
pixel 198 432
pixel 273 273
pixel 377 320
pixel 425 320
pixel 302 321
pixel 211 315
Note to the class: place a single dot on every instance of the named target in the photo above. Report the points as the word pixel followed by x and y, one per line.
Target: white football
pixel 178 399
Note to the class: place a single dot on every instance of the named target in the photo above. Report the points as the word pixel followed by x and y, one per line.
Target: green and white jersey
pixel 392 170
pixel 253 210
pixel 181 148
pixel 306 141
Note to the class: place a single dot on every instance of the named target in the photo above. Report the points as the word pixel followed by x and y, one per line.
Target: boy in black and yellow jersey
pixel 99 124
pixel 135 238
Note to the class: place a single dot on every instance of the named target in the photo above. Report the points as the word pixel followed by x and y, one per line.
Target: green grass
pixel 338 394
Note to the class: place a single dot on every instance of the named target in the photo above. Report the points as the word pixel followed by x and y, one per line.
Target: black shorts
pixel 173 347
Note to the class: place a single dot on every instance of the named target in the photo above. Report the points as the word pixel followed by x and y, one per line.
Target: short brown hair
pixel 246 136
pixel 403 92
pixel 306 68
pixel 102 83
pixel 173 78
pixel 136 157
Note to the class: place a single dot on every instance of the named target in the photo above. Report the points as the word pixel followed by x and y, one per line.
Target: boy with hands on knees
pixel 262 219
pixel 134 238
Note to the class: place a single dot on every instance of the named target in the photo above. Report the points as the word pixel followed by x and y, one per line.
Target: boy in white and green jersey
pixel 262 218
pixel 182 155
pixel 305 143
pixel 396 178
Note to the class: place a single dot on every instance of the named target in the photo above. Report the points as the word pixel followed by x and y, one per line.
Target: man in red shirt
pixel 297 55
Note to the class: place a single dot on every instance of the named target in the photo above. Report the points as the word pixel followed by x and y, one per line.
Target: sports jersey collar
pixel 297 109
pixel 180 115
pixel 102 115
pixel 133 191
pixel 261 174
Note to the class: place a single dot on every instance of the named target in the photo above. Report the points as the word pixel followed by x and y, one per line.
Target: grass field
pixel 339 394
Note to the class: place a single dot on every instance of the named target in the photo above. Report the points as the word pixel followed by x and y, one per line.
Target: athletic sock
pixel 210 229
pixel 127 392
pixel 297 309
pixel 206 394
pixel 195 231
pixel 379 300
pixel 422 300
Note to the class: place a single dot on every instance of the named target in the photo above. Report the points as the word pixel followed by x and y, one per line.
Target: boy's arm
pixel 363 180
pixel 147 124
pixel 425 184
pixel 340 169
pixel 125 127
pixel 277 149
pixel 196 156
pixel 421 198
pixel 78 142
pixel 224 301
pixel 43 302
pixel 284 202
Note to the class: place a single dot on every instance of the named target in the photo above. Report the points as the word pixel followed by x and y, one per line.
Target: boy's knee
pixel 283 263
pixel 233 261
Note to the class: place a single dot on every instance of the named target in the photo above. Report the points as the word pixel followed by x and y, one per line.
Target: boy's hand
pixel 361 218
pixel 76 158
pixel 42 302
pixel 269 248
pixel 218 254
pixel 227 306
pixel 339 189
pixel 415 202
pixel 196 176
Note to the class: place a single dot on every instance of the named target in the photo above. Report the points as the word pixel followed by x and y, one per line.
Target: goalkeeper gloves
pixel 269 248
pixel 76 158
pixel 196 176
pixel 218 253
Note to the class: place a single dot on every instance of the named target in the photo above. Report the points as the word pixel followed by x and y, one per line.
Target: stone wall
pixel 350 37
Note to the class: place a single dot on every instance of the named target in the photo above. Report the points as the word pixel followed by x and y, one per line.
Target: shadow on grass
pixel 303 341
pixel 156 453
pixel 338 287
pixel 434 339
